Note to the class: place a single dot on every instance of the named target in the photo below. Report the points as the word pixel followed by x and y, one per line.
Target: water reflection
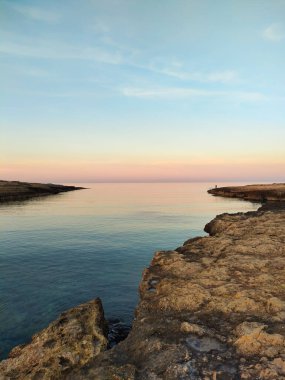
pixel 62 250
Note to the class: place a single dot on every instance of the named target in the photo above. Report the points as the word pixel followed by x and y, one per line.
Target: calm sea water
pixel 62 250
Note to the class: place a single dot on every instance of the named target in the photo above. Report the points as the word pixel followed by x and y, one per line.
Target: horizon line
pixel 149 182
pixel 214 181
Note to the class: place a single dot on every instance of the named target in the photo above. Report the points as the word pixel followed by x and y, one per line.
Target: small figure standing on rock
pixel 216 186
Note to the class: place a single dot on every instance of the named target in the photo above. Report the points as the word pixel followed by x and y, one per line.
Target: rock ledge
pixel 70 342
pixel 257 193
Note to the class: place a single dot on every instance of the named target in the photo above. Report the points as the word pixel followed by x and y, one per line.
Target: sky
pixel 142 90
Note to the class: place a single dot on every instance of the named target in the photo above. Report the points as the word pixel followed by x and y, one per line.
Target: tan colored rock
pixel 275 305
pixel 264 192
pixel 75 338
pixel 253 340
pixel 192 328
pixel 211 309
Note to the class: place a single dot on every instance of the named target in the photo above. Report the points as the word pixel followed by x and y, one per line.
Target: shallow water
pixel 62 250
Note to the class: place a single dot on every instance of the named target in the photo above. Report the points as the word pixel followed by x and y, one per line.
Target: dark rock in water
pixel 118 331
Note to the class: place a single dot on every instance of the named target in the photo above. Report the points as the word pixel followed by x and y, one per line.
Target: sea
pixel 62 250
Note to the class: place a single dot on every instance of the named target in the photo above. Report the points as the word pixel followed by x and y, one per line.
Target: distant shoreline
pixel 257 193
pixel 11 191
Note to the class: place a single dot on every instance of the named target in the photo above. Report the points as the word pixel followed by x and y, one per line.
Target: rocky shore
pixel 71 341
pixel 259 193
pixel 11 191
pixel 212 309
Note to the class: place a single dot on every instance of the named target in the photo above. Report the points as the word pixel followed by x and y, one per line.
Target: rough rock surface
pixel 71 341
pixel 212 309
pixel 14 190
pixel 259 193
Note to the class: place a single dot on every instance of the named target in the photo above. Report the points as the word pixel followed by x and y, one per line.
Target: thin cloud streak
pixel 111 53
pixel 37 14
pixel 170 93
pixel 225 77
pixel 61 52
pixel 159 93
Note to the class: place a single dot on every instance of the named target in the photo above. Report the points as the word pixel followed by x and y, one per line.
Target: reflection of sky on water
pixel 63 250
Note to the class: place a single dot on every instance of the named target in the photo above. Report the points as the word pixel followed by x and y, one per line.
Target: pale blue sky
pixel 143 82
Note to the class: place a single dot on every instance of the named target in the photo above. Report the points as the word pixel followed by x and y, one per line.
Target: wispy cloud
pixel 54 51
pixel 110 52
pixel 37 14
pixel 225 77
pixel 34 72
pixel 228 76
pixel 178 92
pixel 274 33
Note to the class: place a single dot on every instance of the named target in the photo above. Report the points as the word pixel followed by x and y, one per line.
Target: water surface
pixel 62 250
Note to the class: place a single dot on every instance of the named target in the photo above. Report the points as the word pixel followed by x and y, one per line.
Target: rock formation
pixel 257 193
pixel 212 309
pixel 70 342
pixel 14 190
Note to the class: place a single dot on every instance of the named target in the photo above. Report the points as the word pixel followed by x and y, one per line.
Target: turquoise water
pixel 62 250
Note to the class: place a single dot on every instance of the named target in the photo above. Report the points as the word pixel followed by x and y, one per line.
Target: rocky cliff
pixel 211 309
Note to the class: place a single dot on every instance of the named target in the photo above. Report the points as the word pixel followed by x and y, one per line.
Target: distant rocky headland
pixel 258 193
pixel 16 191
pixel 212 309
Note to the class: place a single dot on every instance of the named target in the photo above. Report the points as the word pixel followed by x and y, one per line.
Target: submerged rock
pixel 71 341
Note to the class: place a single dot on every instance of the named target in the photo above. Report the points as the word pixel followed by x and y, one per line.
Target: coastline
pixel 12 191
pixel 209 309
pixel 259 193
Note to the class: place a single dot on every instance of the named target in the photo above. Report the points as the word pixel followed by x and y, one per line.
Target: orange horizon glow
pixel 142 172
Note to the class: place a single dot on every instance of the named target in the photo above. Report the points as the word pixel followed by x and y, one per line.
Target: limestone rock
pixel 75 338
pixel 259 193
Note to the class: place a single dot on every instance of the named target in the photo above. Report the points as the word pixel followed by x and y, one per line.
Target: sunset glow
pixel 101 91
